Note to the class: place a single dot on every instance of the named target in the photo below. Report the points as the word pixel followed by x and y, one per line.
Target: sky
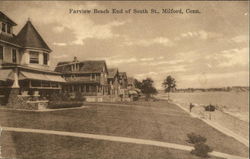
pixel 209 49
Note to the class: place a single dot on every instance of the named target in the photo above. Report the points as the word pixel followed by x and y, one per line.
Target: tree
pixel 147 88
pixel 169 84
pixel 138 84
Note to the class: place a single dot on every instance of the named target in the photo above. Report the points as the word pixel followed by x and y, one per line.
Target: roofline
pixel 10 43
pixel 30 68
pixel 72 62
pixel 37 48
pixel 13 23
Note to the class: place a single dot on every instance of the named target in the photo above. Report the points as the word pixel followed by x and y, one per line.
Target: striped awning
pixel 40 76
pixel 5 74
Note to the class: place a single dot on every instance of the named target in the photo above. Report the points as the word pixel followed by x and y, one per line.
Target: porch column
pixel 15 83
pixel 13 101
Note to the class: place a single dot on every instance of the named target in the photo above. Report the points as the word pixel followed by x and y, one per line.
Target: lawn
pixel 37 146
pixel 156 121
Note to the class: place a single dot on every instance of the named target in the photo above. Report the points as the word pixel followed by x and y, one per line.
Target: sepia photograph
pixel 124 79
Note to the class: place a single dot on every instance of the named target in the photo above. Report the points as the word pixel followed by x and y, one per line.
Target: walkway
pixel 119 139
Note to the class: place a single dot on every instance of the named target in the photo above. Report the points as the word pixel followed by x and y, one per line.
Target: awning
pixel 40 76
pixel 132 92
pixel 5 74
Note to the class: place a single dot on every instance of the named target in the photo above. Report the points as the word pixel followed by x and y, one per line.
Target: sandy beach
pixel 236 121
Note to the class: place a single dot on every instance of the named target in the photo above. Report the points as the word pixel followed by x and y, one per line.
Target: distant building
pixel 123 80
pixel 24 63
pixel 131 82
pixel 90 78
pixel 113 81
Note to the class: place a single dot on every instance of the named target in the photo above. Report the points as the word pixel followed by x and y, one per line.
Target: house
pixel 90 78
pixel 131 83
pixel 24 64
pixel 113 81
pixel 123 80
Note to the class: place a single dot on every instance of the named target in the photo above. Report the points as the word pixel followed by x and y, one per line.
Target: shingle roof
pixel 9 39
pixel 6 19
pixel 29 37
pixel 84 67
pixel 122 74
pixel 112 72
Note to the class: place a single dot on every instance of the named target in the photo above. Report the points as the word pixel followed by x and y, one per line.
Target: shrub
pixel 194 138
pixel 55 97
pixel 79 97
pixel 65 100
pixel 201 150
pixel 64 104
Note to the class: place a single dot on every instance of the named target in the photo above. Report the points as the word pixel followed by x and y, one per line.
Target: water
pixel 235 103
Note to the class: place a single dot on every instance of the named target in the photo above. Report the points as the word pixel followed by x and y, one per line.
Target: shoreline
pixel 219 126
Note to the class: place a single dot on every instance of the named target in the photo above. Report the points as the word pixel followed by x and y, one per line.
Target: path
pixel 119 139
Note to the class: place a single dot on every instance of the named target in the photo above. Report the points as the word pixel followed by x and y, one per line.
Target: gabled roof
pixel 83 67
pixel 112 72
pixel 123 75
pixel 29 37
pixel 6 19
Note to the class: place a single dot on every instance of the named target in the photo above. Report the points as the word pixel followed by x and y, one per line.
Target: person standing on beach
pixel 190 107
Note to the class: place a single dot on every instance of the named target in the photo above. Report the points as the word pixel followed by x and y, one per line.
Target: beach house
pixel 113 81
pixel 24 64
pixel 90 78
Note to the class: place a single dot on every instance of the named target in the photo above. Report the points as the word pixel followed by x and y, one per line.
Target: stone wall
pixel 16 101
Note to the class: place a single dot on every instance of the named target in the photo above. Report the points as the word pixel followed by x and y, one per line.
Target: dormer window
pixel 3 27
pixel 34 57
pixel 8 29
pixel 45 58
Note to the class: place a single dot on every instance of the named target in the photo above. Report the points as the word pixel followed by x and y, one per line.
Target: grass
pixel 156 121
pixel 34 146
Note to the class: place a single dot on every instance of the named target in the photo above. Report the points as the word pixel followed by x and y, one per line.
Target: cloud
pixel 60 56
pixel 204 35
pixel 118 60
pixel 148 42
pixel 234 57
pixel 144 75
pixel 157 62
pixel 59 44
pixel 58 29
pixel 147 59
pixel 80 25
pixel 240 39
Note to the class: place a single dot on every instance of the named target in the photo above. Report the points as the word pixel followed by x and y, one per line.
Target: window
pixel 1 52
pixel 34 57
pixel 8 28
pixel 92 77
pixel 14 55
pixel 45 58
pixel 3 27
